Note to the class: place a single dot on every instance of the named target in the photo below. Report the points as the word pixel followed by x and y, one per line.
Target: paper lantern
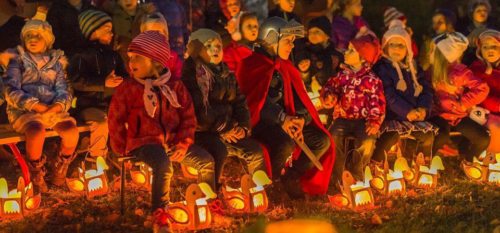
pixel 142 175
pixel 251 197
pixel 19 201
pixel 355 195
pixel 487 170
pixel 91 182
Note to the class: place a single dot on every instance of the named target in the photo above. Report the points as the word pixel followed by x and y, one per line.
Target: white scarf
pixel 151 99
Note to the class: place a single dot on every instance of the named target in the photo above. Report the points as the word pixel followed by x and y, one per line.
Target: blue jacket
pixel 399 103
pixel 26 85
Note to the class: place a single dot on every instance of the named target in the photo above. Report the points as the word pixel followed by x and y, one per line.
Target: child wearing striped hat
pixel 152 117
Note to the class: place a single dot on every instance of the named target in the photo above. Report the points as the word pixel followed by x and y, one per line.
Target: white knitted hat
pixel 451 45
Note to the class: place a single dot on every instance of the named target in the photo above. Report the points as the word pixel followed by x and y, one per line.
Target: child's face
pixel 284 49
pixel 212 52
pixel 140 66
pixel 287 5
pixel 316 36
pixel 250 29
pixel 490 50
pixel 128 5
pixel 439 24
pixel 156 26
pixel 480 14
pixel 304 65
pixel 103 34
pixel 355 8
pixel 233 6
pixel 396 49
pixel 35 43
pixel 351 56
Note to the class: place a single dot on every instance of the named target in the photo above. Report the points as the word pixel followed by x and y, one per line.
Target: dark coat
pixel 227 106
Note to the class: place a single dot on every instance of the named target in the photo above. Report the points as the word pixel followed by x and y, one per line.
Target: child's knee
pixel 35 129
pixel 68 131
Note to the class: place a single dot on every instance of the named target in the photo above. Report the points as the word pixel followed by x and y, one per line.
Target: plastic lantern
pixel 91 182
pixel 192 213
pixel 355 195
pixel 251 197
pixel 142 175
pixel 487 170
pixel 16 202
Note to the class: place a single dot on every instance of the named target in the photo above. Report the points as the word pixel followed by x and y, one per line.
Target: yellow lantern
pixel 193 213
pixel 355 195
pixel 487 170
pixel 251 197
pixel 143 175
pixel 189 172
pixel 16 202
pixel 92 182
pixel 390 182
pixel 427 177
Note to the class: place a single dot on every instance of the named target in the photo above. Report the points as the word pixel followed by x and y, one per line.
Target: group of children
pixel 250 98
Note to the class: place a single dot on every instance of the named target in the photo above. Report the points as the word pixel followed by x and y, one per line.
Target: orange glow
pixel 179 215
pixel 377 183
pixel 426 180
pixel 395 186
pixel 362 198
pixel 258 200
pixel 75 185
pixel 236 203
pixel 339 200
pixel 192 171
pixel 473 172
pixel 138 177
pixel 11 207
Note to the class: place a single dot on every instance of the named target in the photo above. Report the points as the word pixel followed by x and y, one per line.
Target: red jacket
pixel 234 53
pixel 360 95
pixel 175 65
pixel 453 102
pixel 254 76
pixel 492 102
pixel 130 127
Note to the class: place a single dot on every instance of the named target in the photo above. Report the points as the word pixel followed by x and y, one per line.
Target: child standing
pixel 457 91
pixel 94 73
pixel 408 94
pixel 38 97
pixel 152 117
pixel 358 97
pixel 244 38
pixel 221 109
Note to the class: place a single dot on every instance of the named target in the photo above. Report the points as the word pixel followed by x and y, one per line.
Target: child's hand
pixel 5 58
pixel 372 129
pixel 329 101
pixel 179 154
pixel 413 115
pixel 40 108
pixel 421 114
pixel 112 80
pixel 293 126
pixel 55 108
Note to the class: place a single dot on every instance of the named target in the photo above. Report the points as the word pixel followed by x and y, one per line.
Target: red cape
pixel 234 53
pixel 254 75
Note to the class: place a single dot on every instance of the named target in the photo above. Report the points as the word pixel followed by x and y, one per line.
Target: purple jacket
pixel 344 31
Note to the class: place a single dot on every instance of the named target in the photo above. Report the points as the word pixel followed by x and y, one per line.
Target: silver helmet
pixel 274 28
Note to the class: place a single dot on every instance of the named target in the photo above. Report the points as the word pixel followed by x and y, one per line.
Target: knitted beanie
pixel 198 38
pixel 155 17
pixel 323 23
pixel 490 33
pixel 451 45
pixel 397 30
pixel 41 27
pixel 153 45
pixel 368 48
pixel 91 20
pixel 390 14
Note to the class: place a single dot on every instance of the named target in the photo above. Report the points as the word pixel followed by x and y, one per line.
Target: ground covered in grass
pixel 456 205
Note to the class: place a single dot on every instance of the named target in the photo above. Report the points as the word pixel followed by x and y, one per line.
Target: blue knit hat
pixel 91 20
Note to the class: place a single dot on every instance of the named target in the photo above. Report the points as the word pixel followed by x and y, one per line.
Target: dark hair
pixel 245 16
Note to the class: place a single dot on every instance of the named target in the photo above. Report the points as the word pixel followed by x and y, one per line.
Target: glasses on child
pixel 397 46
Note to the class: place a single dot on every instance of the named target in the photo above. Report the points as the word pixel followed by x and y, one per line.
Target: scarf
pixel 401 85
pixel 151 99
pixel 204 79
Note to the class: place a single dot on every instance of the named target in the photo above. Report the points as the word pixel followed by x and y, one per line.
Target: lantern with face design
pixel 92 182
pixel 251 197
pixel 16 202
pixel 355 195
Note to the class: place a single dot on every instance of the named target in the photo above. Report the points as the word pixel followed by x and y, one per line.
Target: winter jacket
pixel 325 61
pixel 130 126
pixel 63 18
pixel 344 31
pixel 26 85
pixel 88 71
pixel 360 95
pixel 175 65
pixel 400 103
pixel 226 107
pixel 454 101
pixel 492 102
pixel 234 53
pixel 176 17
pixel 284 15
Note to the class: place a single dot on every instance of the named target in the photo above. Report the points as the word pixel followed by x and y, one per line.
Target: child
pixel 284 10
pixel 221 21
pixel 325 59
pixel 282 113
pixel 244 37
pixel 409 97
pixel 348 24
pixel 152 117
pixel 487 68
pixel 393 16
pixel 358 97
pixel 223 117
pixel 94 73
pixel 156 22
pixel 303 64
pixel 457 90
pixel 38 97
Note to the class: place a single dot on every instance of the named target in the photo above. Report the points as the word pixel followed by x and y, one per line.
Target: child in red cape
pixel 282 113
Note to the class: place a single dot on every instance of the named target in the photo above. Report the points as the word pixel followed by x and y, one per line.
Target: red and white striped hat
pixel 153 45
pixel 390 14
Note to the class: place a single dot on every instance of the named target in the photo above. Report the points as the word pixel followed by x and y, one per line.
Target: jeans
pixel 246 149
pixel 362 149
pixel 154 155
pixel 422 143
pixel 475 137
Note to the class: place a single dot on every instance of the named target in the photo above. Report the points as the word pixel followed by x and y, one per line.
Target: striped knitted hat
pixel 153 45
pixel 390 14
pixel 91 20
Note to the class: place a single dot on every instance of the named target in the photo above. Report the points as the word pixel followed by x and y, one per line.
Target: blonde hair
pixel 440 70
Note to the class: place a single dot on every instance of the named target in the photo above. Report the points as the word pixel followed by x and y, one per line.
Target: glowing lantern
pixel 189 172
pixel 91 182
pixel 251 197
pixel 423 176
pixel 16 202
pixel 391 182
pixel 355 195
pixel 143 175
pixel 487 170
pixel 193 213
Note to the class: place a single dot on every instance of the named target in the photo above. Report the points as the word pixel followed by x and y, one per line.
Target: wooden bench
pixel 9 136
